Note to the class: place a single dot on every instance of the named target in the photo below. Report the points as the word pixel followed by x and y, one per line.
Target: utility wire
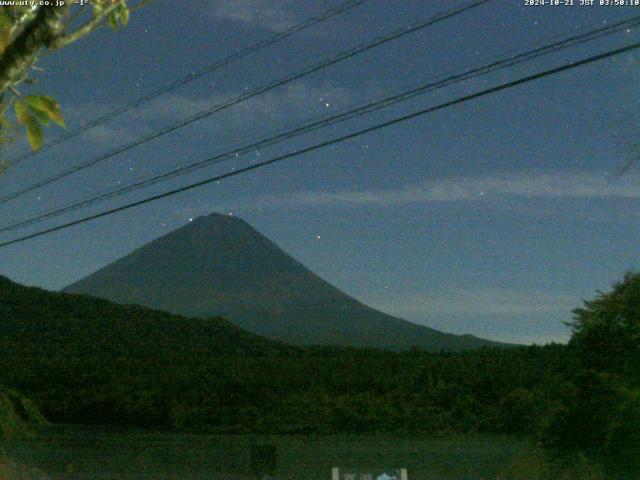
pixel 508 60
pixel 318 146
pixel 169 87
pixel 253 93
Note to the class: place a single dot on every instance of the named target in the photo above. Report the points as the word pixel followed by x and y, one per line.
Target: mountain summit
pixel 219 265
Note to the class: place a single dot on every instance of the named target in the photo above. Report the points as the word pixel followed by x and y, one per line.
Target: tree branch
pixel 41 32
pixel 84 30
pixel 20 22
pixel 92 25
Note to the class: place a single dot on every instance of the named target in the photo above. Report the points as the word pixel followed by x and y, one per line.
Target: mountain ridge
pixel 219 265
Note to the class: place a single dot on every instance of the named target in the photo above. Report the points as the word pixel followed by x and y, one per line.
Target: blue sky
pixel 494 217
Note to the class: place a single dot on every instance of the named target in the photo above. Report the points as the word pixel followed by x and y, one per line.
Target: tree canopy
pixel 600 416
pixel 27 32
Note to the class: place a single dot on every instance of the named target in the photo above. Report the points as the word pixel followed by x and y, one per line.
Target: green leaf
pixel 39 102
pixel 57 117
pixel 41 116
pixel 124 14
pixel 97 9
pixel 46 106
pixel 112 19
pixel 34 133
pixel 22 112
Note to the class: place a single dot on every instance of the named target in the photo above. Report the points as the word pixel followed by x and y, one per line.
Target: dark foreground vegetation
pixel 18 415
pixel 84 360
pixel 105 453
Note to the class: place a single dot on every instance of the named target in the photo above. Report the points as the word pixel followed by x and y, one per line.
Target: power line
pixel 169 87
pixel 508 60
pixel 246 96
pixel 334 141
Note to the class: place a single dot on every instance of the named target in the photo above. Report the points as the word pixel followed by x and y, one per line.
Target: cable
pixel 169 87
pixel 509 61
pixel 340 139
pixel 449 79
pixel 217 108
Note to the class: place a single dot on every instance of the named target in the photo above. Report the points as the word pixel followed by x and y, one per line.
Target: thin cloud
pixel 519 316
pixel 493 302
pixel 267 14
pixel 296 101
pixel 466 188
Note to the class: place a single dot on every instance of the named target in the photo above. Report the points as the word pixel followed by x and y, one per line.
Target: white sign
pixel 369 474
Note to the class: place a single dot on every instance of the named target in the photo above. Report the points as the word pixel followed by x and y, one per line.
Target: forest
pixel 89 361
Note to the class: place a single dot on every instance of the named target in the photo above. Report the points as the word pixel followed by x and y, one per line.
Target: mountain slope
pixel 219 265
pixel 38 323
pixel 90 361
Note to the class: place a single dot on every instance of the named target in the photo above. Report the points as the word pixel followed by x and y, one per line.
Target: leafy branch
pixel 26 33
pixel 34 112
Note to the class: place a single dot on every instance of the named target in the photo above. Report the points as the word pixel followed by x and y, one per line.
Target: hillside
pixel 91 361
pixel 220 266
pixel 84 359
pixel 38 322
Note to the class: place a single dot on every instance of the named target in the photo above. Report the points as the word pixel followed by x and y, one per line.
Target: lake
pixel 71 452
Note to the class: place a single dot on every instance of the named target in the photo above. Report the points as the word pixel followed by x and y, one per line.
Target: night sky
pixel 495 217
